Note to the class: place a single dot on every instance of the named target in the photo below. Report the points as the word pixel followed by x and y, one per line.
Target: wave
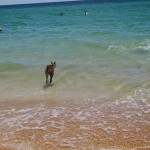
pixel 11 67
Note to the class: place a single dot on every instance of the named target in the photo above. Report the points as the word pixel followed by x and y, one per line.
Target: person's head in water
pixel 86 13
pixel 61 13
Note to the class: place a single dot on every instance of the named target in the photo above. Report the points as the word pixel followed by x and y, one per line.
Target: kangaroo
pixel 49 70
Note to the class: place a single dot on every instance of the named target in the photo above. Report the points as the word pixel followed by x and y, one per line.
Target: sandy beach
pixel 88 124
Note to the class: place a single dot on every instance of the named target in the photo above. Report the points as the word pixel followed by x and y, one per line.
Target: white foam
pixel 84 127
pixel 146 47
pixel 109 128
pixel 55 113
pixel 89 112
pixel 19 146
pixel 79 116
pixel 23 146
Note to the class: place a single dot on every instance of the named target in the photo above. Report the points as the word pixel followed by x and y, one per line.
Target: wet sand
pixel 87 124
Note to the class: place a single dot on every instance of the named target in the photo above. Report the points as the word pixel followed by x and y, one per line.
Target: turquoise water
pixel 100 95
pixel 105 53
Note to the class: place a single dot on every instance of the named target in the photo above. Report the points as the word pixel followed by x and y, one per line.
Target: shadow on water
pixel 48 85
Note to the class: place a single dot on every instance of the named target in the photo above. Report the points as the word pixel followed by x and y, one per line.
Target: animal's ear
pixel 55 62
pixel 51 62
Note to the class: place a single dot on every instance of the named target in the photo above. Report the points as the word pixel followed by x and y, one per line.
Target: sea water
pixel 103 71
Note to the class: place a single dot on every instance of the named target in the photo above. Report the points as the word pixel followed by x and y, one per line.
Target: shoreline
pixel 86 124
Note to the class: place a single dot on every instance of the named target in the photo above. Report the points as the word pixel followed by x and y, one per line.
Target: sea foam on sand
pixel 88 124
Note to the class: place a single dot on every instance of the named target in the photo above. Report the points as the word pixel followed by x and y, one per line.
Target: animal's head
pixel 53 64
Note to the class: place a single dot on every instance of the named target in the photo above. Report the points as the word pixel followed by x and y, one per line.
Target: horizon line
pixel 70 1
pixel 32 3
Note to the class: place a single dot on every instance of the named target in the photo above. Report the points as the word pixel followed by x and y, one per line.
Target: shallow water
pixel 89 124
pixel 100 93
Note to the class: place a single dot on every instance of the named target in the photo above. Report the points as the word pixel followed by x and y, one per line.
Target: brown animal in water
pixel 49 70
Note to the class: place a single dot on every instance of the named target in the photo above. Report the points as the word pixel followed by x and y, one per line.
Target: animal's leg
pixel 51 77
pixel 46 78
